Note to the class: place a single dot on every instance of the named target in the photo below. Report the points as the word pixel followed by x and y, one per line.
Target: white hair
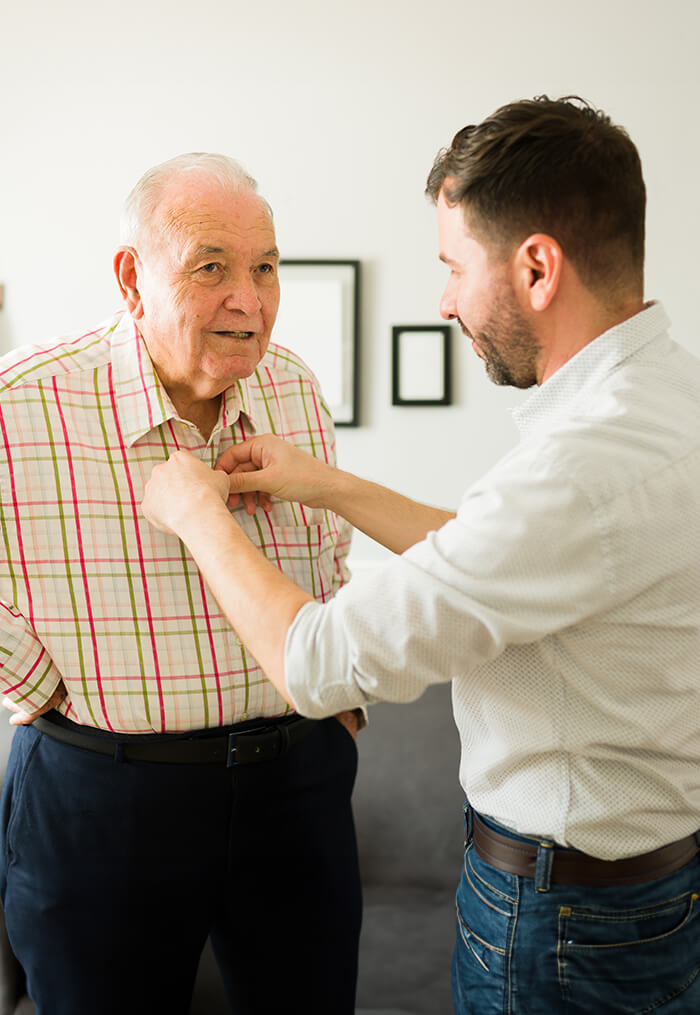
pixel 141 203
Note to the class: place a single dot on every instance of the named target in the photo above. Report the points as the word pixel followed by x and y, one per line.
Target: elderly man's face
pixel 209 288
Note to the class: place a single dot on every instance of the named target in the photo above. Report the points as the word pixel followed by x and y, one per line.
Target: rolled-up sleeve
pixel 488 579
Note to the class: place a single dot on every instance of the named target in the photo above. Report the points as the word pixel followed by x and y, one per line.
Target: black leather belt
pixel 266 742
pixel 569 867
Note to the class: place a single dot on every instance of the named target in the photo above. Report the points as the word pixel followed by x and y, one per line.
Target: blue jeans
pixel 575 950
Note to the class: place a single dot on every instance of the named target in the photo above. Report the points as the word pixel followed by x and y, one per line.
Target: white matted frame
pixel 319 319
pixel 421 371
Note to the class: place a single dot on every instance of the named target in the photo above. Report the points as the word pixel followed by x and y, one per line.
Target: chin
pixel 232 369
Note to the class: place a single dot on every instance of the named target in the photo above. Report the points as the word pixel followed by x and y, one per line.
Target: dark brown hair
pixel 556 166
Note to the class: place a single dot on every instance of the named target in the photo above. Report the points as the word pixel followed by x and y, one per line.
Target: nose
pixel 448 303
pixel 242 294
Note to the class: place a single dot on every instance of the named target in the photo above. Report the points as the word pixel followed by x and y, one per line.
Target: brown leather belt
pixel 569 867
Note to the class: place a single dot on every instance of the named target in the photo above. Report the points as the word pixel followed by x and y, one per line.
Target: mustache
pixel 465 329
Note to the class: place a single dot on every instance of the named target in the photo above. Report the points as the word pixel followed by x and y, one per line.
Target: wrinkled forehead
pixel 196 212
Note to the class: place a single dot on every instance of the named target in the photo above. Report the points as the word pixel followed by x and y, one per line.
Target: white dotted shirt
pixel 563 602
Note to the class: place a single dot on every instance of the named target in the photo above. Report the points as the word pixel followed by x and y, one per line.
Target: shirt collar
pixel 589 366
pixel 143 403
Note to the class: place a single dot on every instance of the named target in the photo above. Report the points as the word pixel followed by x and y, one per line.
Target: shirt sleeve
pixel 28 675
pixel 523 558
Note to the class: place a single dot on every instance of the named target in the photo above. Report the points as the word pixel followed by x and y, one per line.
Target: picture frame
pixel 421 370
pixel 318 318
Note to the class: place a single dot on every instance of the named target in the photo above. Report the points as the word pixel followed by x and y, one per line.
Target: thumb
pixel 245 479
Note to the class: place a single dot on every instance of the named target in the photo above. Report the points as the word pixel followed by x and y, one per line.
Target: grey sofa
pixel 408 815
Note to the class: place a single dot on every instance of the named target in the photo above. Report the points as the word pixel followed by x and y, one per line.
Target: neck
pixel 577 324
pixel 203 414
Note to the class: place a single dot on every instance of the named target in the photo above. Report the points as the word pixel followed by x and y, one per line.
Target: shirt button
pixel 244 716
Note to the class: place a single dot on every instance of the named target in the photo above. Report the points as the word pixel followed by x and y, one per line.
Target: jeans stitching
pixel 565 912
pixel 464 932
pixel 485 883
pixel 506 953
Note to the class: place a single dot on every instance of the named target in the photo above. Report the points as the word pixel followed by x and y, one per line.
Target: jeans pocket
pixel 640 959
pixel 486 910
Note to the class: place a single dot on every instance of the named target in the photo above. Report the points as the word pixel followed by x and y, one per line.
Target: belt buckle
pixel 251 755
pixel 268 744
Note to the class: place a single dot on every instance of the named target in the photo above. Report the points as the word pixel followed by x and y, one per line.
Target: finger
pixel 11 705
pixel 247 480
pixel 56 698
pixel 235 456
pixel 21 718
pixel 234 497
pixel 250 502
pixel 244 467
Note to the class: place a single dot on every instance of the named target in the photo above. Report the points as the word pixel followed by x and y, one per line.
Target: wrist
pixel 335 489
pixel 202 515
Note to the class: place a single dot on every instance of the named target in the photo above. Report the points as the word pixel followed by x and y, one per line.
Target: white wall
pixel 338 110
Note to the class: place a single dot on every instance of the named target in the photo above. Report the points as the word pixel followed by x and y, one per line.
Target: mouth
pixel 235 334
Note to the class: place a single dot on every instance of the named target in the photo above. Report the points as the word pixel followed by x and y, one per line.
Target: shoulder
pixel 61 356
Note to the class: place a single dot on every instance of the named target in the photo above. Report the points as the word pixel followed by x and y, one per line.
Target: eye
pixel 266 268
pixel 210 268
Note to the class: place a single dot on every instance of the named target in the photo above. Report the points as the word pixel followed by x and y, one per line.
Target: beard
pixel 507 345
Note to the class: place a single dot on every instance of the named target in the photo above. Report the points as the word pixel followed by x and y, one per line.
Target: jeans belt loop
pixel 543 865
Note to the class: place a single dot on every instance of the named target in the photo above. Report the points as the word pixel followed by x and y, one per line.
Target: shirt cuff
pixel 317 666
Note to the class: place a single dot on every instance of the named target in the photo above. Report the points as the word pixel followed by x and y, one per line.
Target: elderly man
pixel 172 794
pixel 562 600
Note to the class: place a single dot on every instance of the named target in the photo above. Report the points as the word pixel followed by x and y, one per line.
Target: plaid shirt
pixel 89 591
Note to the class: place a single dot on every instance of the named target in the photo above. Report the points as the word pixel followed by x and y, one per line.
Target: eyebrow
pixel 205 251
pixel 202 251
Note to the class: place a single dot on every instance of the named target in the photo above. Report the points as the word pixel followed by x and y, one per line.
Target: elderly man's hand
pixel 22 718
pixel 179 490
pixel 268 466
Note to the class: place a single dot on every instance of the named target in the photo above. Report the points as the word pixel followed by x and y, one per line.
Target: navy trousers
pixel 114 873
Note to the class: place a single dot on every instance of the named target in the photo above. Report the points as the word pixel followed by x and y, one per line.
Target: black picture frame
pixel 319 319
pixel 421 364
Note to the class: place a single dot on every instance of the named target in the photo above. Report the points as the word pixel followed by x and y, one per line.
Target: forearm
pixel 258 600
pixel 391 519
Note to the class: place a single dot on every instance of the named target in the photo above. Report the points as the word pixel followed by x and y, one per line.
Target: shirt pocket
pixel 299 542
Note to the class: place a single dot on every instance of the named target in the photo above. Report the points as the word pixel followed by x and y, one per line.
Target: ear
pixel 126 264
pixel 537 265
